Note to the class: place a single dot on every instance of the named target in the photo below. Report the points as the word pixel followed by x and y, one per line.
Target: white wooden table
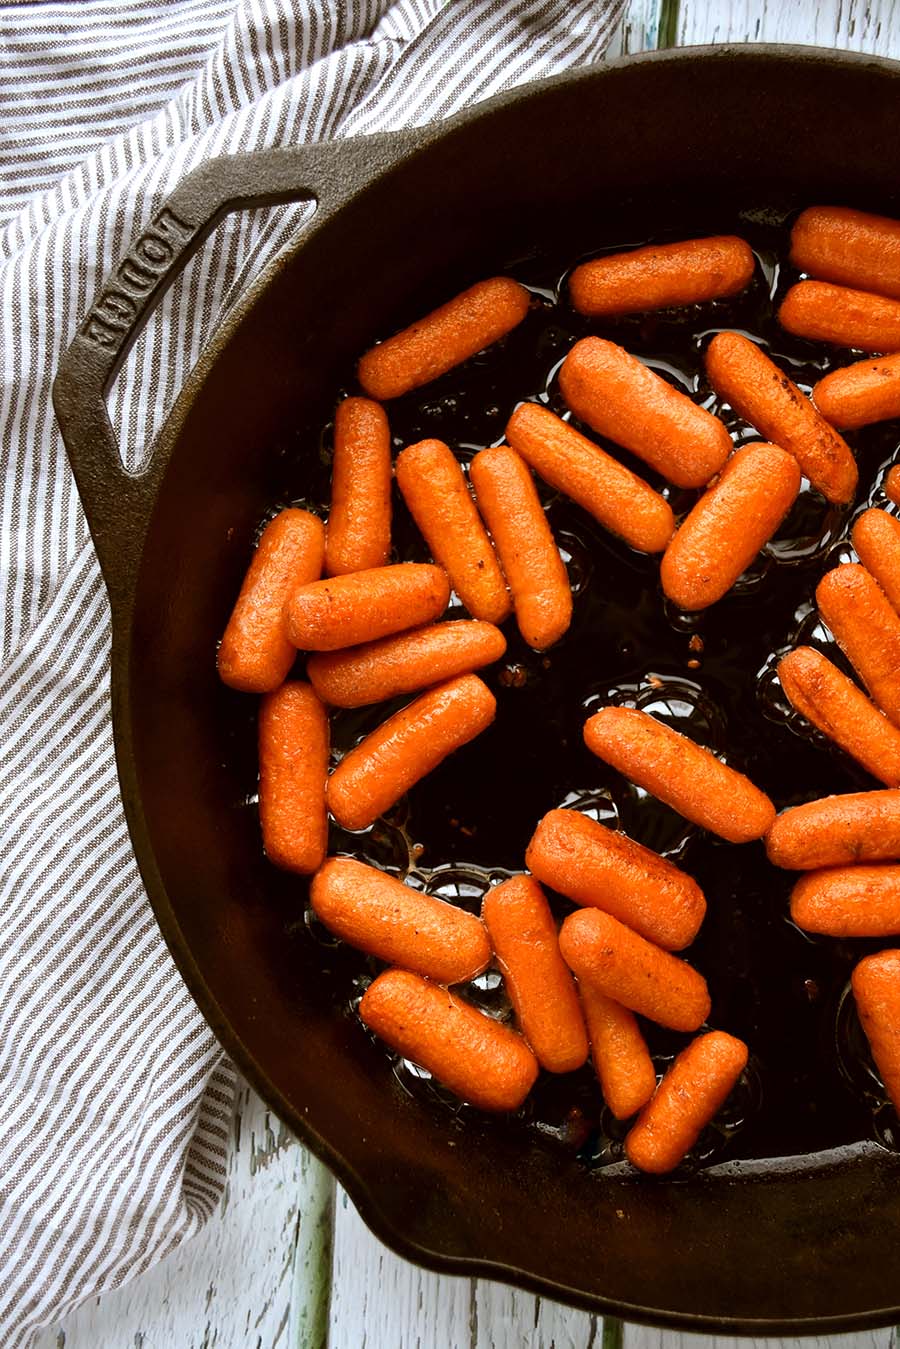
pixel 287 1261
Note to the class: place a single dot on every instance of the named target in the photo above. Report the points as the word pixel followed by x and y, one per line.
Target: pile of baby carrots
pixel 372 632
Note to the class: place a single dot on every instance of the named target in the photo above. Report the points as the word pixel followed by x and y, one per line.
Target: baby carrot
pixel 606 954
pixel 692 1092
pixel 859 394
pixel 729 525
pixel 621 501
pixel 478 1058
pixel 662 276
pixel 845 318
pixel 876 989
pixel 540 986
pixel 876 538
pixel 866 629
pixel 385 918
pixel 856 901
pixel 365 605
pixel 834 705
pixel 293 766
pixel 603 868
pixel 679 772
pixel 620 397
pixel 359 522
pixel 891 485
pixel 404 663
pixel 764 396
pixel 851 247
pixel 537 577
pixel 406 747
pixel 447 336
pixel 255 654
pixel 837 831
pixel 435 490
pixel 619 1053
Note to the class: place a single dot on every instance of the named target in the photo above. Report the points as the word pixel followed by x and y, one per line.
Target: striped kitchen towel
pixel 115 1100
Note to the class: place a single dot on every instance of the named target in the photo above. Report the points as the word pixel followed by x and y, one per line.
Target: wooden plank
pixel 860 25
pixel 642 1337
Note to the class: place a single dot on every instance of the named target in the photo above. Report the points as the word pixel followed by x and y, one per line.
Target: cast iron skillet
pixel 673 138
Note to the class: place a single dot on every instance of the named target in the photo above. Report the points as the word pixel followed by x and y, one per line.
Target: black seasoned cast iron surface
pixel 795 1225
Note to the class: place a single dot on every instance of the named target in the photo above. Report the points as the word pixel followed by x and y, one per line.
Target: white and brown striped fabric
pixel 115 1100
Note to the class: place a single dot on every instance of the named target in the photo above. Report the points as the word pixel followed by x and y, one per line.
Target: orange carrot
pixel 866 629
pixel 764 396
pixel 857 901
pixel 674 769
pixel 619 1053
pixel 876 988
pixel 620 397
pixel 729 525
pixel 606 954
pixel 891 485
pixel 876 538
pixel 692 1092
pixel 447 336
pixel 859 394
pixel 605 869
pixel 541 989
pixel 662 276
pixel 409 661
pixel 851 247
pixel 837 831
pixel 621 501
pixel 359 522
pixel 293 765
pixel 439 501
pixel 398 924
pixel 845 318
pixel 478 1058
pixel 406 747
pixel 255 654
pixel 365 605
pixel 508 500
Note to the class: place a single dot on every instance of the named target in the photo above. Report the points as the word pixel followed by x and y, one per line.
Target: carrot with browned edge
pixel 821 312
pixel 439 500
pixel 293 766
pixel 605 869
pixel 837 831
pixel 406 747
pixel 859 394
pixel 866 629
pixel 395 922
pixel 853 248
pixel 690 1095
pixel 620 397
pixel 876 990
pixel 621 501
pixel 662 276
pixel 256 654
pixel 679 772
pixel 538 980
pixel 891 485
pixel 365 605
pixel 729 525
pixel 854 901
pixel 876 538
pixel 605 953
pixel 478 1058
pixel 444 338
pixel 619 1053
pixel 359 522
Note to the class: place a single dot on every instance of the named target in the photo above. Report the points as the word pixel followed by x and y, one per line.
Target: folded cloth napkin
pixel 115 1099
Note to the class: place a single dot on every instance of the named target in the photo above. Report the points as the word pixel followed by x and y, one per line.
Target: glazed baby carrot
pixel 764 396
pixel 621 501
pixel 891 485
pixel 692 1092
pixel 605 869
pixel 293 765
pixel 537 577
pixel 447 336
pixel 620 397
pixel 876 990
pixel 845 318
pixel 255 654
pixel 406 747
pixel 674 769
pixel 860 394
pixel 729 525
pixel 856 901
pixel 478 1058
pixel 439 501
pixel 834 705
pixel 606 954
pixel 866 629
pixel 837 831
pixel 851 247
pixel 876 538
pixel 662 276
pixel 540 986
pixel 398 924
pixel 359 521
pixel 619 1053
pixel 365 605
pixel 376 671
